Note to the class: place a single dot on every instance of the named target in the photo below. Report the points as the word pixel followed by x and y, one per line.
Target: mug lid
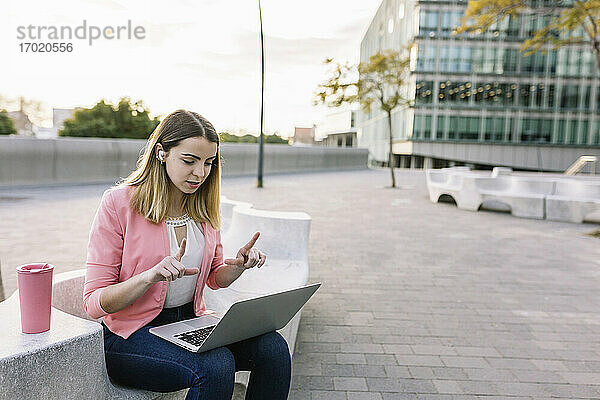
pixel 35 268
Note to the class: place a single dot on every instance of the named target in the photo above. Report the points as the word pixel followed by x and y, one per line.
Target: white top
pixel 181 290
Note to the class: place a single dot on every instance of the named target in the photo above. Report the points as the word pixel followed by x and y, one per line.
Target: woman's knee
pixel 276 349
pixel 215 368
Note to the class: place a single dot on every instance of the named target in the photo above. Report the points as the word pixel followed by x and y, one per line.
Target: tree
pixel 380 81
pixel 6 125
pixel 36 111
pixel 568 22
pixel 226 137
pixel 126 120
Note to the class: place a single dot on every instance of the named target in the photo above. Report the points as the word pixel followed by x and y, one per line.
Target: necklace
pixel 178 221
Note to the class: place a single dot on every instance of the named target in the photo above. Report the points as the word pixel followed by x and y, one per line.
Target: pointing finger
pixel 249 245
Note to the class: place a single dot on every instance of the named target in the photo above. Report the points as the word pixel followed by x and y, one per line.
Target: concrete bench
pixel 68 360
pixel 527 196
pixel 524 196
pixel 284 238
pixel 443 182
pixel 226 209
pixel 573 201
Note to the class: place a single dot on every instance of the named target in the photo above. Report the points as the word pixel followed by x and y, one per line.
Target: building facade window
pixel 428 23
pixel 570 97
pixel 536 130
pixel 424 93
pixel 494 129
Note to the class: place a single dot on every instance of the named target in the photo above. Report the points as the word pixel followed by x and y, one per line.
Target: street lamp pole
pixel 262 100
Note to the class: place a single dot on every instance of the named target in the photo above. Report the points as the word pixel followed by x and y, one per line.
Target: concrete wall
pixel 546 158
pixel 30 161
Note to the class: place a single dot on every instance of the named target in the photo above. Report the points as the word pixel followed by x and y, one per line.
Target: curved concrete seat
pixel 573 200
pixel 497 171
pixel 65 362
pixel 535 196
pixel 456 182
pixel 284 239
pixel 226 210
pixel 524 196
pixel 442 182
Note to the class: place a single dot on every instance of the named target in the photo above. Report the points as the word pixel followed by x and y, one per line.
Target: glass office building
pixel 478 99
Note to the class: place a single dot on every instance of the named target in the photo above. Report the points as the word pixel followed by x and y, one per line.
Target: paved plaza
pixel 419 300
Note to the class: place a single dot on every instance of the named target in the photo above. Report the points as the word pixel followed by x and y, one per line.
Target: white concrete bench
pixel 284 239
pixel 524 196
pixel 470 189
pixel 443 182
pixel 527 196
pixel 68 360
pixel 573 200
pixel 226 208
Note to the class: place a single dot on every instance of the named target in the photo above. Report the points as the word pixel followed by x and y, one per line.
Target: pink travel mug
pixel 35 296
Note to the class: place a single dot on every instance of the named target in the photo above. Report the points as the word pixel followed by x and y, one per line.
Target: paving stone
pixel 361 348
pixel 302 368
pixel 380 359
pixel 399 396
pixel 589 378
pixel 397 349
pixel 384 385
pixel 421 372
pixel 429 361
pixel 347 383
pixel 370 370
pixel 476 351
pixel 464 362
pixel 364 396
pixel 301 382
pixel 350 358
pixel 521 389
pixel 337 370
pixel 573 391
pixel 433 350
pixel 524 375
pixel 446 386
pixel 490 374
pixel 549 365
pixel 327 395
pixel 478 388
pixel 417 385
pixel 511 363
pixel 397 371
pixel 299 395
pixel 450 373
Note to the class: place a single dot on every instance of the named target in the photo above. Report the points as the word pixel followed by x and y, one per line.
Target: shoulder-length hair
pixel 152 195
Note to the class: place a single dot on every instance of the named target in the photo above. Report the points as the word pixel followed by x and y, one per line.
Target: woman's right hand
pixel 170 268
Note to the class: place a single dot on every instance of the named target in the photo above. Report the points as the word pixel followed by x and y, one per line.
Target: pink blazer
pixel 122 243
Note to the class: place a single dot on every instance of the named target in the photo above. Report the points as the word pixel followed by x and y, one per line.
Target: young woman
pixel 153 245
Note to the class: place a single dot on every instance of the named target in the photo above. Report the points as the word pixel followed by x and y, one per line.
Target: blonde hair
pixel 152 193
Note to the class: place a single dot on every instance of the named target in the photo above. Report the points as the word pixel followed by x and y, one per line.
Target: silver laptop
pixel 243 320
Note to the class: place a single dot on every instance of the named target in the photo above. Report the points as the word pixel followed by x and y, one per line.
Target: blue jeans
pixel 145 361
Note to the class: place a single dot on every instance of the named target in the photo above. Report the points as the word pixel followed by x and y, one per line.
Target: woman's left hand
pixel 247 256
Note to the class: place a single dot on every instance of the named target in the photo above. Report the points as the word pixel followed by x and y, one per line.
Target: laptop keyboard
pixel 197 336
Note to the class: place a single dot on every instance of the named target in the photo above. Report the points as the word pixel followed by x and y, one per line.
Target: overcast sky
pixel 197 54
